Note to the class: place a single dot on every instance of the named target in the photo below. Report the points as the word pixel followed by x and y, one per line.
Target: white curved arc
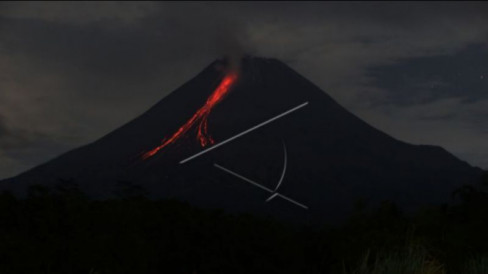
pixel 272 196
pixel 284 167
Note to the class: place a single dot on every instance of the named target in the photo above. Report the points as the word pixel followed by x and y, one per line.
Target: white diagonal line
pixel 261 186
pixel 293 201
pixel 244 132
pixel 243 178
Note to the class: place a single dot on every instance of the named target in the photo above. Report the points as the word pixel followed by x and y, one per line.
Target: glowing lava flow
pixel 201 116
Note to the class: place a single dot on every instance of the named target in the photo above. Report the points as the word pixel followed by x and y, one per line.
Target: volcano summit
pixel 263 140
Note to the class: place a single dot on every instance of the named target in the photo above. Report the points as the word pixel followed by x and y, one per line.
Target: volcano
pixel 272 143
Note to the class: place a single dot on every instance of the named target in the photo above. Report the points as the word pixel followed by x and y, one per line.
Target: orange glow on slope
pixel 201 116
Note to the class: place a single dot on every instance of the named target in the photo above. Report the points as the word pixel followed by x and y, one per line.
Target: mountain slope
pixel 332 158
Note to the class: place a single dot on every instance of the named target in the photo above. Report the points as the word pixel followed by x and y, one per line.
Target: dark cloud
pixel 431 78
pixel 22 148
pixel 72 72
pixel 15 138
pixel 107 12
pixel 3 128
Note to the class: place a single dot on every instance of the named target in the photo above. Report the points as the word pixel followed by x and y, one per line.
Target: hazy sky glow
pixel 72 72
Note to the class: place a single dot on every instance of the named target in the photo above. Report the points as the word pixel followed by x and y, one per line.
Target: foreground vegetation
pixel 65 232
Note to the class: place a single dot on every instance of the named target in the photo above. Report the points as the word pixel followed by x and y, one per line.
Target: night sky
pixel 72 72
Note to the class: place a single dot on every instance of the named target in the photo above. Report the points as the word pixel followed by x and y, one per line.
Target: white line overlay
pixel 275 194
pixel 243 178
pixel 244 132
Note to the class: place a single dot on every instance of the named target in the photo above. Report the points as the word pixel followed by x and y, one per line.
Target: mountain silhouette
pixel 298 154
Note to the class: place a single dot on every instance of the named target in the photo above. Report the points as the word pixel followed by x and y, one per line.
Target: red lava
pixel 200 117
